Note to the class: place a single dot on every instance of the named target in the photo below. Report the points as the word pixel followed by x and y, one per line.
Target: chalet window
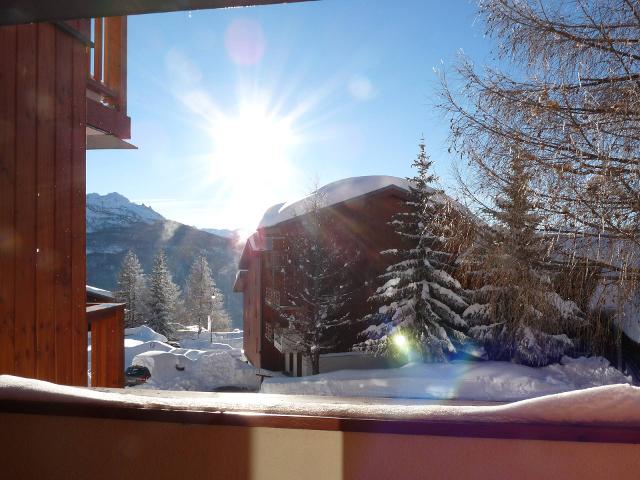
pixel 272 297
pixel 268 331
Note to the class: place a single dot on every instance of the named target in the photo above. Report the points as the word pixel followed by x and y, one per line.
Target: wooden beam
pixel 253 417
pixel 8 40
pixel 45 235
pixel 26 202
pixel 26 11
pixel 108 120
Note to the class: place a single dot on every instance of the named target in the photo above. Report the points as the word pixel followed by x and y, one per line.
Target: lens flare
pixel 401 342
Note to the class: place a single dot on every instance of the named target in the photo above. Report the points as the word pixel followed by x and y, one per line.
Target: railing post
pixel 97 49
pixel 115 59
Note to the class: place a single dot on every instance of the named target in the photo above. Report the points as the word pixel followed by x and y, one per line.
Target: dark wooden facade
pixel 361 223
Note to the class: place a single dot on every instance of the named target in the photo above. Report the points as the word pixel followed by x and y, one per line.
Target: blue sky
pixel 235 110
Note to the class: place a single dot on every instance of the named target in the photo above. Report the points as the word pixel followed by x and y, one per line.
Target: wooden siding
pixel 252 312
pixel 107 344
pixel 43 326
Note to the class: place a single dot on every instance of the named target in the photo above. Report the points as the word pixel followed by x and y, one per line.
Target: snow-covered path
pixel 479 381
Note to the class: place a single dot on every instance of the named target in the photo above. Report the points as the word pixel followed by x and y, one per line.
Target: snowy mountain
pixel 113 209
pixel 115 225
pixel 222 232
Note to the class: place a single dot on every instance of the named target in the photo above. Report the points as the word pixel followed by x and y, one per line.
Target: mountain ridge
pixel 115 225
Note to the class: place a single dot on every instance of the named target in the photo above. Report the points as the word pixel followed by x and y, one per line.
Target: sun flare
pixel 253 137
pixel 251 160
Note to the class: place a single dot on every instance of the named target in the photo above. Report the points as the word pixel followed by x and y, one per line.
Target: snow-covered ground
pixel 189 337
pixel 207 367
pixel 481 381
pixel 198 370
pixel 214 366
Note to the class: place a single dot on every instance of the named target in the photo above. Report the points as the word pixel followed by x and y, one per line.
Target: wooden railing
pixel 108 66
pixel 106 323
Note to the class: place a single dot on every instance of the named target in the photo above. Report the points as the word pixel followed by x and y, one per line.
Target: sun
pixel 253 137
pixel 250 162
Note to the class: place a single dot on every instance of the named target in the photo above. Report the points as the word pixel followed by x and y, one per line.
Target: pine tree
pixel 420 302
pixel 517 315
pixel 320 288
pixel 131 290
pixel 202 299
pixel 163 297
pixel 220 320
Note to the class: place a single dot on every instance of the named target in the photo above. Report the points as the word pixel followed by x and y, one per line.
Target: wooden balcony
pixel 106 324
pixel 107 120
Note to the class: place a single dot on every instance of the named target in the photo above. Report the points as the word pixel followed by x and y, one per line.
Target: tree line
pixel 156 301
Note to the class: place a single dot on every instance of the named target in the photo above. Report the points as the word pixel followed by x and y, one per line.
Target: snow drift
pixel 461 380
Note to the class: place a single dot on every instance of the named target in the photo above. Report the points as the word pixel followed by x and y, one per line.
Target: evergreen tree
pixel 517 315
pixel 163 297
pixel 202 299
pixel 420 301
pixel 220 320
pixel 131 290
pixel 319 290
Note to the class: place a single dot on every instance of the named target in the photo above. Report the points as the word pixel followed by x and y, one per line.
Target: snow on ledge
pixel 608 405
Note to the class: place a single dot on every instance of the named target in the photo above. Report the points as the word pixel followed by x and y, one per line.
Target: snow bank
pixel 199 370
pixel 188 337
pixel 144 334
pixel 608 405
pixel 480 381
pixel 213 366
pixel 133 348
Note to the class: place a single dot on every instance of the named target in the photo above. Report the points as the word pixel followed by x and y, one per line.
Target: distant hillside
pixel 222 232
pixel 113 210
pixel 118 225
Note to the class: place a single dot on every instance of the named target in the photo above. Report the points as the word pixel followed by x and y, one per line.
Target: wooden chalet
pixel 361 209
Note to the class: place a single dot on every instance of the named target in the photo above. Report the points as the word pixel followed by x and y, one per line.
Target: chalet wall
pixel 359 224
pixel 252 312
pixel 43 446
pixel 43 331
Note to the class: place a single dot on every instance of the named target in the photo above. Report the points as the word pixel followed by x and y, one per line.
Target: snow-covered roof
pixel 100 292
pixel 333 193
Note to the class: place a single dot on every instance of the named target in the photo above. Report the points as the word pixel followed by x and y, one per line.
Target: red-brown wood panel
pixel 8 37
pixel 78 200
pixel 45 266
pixel 25 213
pixel 64 343
pixel 43 74
pixel 116 352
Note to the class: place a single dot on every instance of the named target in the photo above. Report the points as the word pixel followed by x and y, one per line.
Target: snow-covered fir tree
pixel 203 301
pixel 131 290
pixel 220 320
pixel 162 297
pixel 516 315
pixel 319 289
pixel 420 302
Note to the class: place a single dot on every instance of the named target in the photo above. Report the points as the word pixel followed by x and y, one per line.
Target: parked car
pixel 136 375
